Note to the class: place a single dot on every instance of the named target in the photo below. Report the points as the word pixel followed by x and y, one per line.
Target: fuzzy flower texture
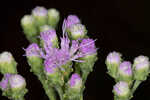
pixel 69 50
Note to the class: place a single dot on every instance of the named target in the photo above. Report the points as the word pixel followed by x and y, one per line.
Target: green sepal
pixel 36 64
pixel 112 70
pixel 77 36
pixel 72 93
pixel 40 21
pixel 37 68
pixel 15 94
pixel 121 77
pixel 87 66
pixel 141 74
pixel 6 67
pixel 66 70
pixel 53 19
pixel 45 28
pixel 56 78
pixel 125 97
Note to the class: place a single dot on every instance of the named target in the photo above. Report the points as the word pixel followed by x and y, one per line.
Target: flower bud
pixel 125 71
pixel 45 28
pixel 75 81
pixel 4 83
pixel 122 90
pixel 73 88
pixel 71 20
pixel 28 25
pixel 49 37
pixel 88 52
pixel 113 61
pixel 53 17
pixel 141 67
pixel 17 82
pixel 77 31
pixel 87 47
pixel 33 53
pixel 40 15
pixel 7 63
pixel 53 73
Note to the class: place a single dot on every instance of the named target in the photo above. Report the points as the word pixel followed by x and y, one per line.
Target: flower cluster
pixel 12 84
pixel 54 59
pixel 127 76
pixel 41 19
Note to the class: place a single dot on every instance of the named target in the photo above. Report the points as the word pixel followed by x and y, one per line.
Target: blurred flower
pixel 75 81
pixel 17 82
pixel 49 38
pixel 33 50
pixel 125 68
pixel 113 61
pixel 114 58
pixel 71 20
pixel 7 63
pixel 87 47
pixel 121 90
pixel 141 67
pixel 53 17
pixel 40 15
pixel 39 11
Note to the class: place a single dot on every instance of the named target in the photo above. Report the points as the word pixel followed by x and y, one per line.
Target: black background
pixel 118 25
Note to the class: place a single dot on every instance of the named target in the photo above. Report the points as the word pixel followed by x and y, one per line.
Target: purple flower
pixel 71 20
pixel 121 89
pixel 50 67
pixel 33 50
pixel 48 37
pixel 4 82
pixel 74 47
pixel 39 11
pixel 87 47
pixel 141 62
pixel 75 81
pixel 125 68
pixel 114 58
pixel 17 81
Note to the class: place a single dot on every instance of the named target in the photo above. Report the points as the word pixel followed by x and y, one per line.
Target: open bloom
pixel 33 50
pixel 49 37
pixel 50 67
pixel 87 47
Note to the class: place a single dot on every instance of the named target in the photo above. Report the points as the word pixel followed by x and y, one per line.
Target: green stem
pixel 48 89
pixel 60 91
pixel 19 99
pixel 135 86
pixel 81 97
pixel 84 76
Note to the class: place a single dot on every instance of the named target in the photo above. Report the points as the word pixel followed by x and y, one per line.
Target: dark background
pixel 120 25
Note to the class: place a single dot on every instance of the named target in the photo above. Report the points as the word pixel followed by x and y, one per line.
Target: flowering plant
pixel 61 64
pixel 127 76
